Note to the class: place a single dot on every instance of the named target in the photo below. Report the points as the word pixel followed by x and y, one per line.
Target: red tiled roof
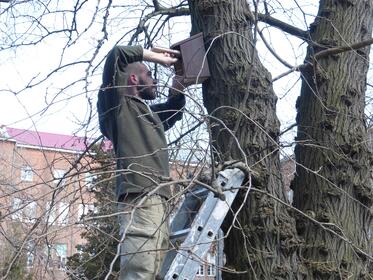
pixel 47 140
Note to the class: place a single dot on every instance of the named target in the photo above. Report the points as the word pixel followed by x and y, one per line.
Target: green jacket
pixel 135 129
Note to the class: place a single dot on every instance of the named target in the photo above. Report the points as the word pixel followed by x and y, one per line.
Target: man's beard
pixel 147 92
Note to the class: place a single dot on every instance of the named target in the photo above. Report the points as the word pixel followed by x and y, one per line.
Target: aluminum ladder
pixel 196 223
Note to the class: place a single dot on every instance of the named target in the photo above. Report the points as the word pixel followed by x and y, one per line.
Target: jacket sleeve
pixel 116 61
pixel 171 111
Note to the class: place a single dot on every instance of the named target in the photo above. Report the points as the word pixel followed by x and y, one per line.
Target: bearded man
pixel 137 133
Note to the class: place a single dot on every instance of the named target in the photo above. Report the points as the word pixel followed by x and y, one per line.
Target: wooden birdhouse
pixel 193 65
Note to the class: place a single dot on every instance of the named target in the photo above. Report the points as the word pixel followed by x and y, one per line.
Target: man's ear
pixel 133 79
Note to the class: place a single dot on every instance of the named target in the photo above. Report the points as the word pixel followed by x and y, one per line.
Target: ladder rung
pixel 179 233
pixel 199 192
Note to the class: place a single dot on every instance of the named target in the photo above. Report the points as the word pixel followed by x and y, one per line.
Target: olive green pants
pixel 146 237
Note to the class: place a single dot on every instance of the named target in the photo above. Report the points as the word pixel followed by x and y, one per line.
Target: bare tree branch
pixel 290 29
pixel 340 49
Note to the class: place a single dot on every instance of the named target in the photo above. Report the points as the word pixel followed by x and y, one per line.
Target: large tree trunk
pixel 264 246
pixel 332 182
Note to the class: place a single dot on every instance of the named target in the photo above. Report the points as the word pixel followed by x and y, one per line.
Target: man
pixel 137 133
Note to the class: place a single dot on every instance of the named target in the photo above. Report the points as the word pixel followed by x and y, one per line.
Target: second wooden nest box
pixel 193 65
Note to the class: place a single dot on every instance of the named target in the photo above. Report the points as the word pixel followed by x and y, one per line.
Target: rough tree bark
pixel 332 182
pixel 265 245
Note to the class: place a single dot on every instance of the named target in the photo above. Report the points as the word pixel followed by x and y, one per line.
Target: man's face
pixel 147 85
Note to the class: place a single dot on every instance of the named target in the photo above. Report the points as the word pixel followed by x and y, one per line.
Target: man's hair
pixel 133 68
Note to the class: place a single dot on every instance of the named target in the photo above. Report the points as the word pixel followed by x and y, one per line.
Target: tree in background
pixel 101 226
pixel 19 268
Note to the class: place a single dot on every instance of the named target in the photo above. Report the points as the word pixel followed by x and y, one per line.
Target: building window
pixel 27 174
pixel 51 213
pixel 290 196
pixel 16 208
pixel 61 255
pixel 23 210
pixel 201 270
pixel 211 268
pixel 30 254
pixel 30 211
pixel 63 216
pixel 58 176
pixel 30 259
pixel 58 213
pixel 56 256
pixel 85 209
pixel 47 256
pixel 90 181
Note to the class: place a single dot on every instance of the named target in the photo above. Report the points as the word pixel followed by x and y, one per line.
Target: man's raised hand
pixel 164 58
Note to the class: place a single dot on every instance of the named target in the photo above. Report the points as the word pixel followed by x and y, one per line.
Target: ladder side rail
pixel 207 236
pixel 193 236
pixel 205 227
